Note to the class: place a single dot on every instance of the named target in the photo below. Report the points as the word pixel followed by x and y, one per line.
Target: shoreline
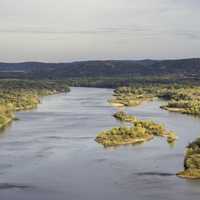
pixel 128 142
pixel 8 121
pixel 187 175
pixel 173 109
pixel 32 105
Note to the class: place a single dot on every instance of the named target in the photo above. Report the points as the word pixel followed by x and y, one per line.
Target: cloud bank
pixel 65 30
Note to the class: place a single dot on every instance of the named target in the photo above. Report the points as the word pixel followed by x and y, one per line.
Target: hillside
pixel 176 69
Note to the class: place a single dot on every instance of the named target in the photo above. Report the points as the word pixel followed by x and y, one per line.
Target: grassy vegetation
pixel 130 96
pixel 184 100
pixel 171 137
pixel 124 117
pixel 6 114
pixel 181 98
pixel 123 135
pixel 191 107
pixel 18 95
pixel 140 131
pixel 192 161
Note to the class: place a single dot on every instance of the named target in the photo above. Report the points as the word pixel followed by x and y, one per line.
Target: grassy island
pixel 16 95
pixel 140 131
pixel 192 161
pixel 123 135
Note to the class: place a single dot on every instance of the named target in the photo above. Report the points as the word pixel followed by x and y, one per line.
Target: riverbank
pixel 189 174
pixel 6 122
pixel 179 98
pixel 18 95
pixel 173 109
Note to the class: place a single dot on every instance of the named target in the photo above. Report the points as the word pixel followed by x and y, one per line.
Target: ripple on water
pixel 69 138
pixel 6 186
pixel 154 174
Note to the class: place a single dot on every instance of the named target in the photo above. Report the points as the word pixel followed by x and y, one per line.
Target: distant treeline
pixel 114 82
pixel 107 73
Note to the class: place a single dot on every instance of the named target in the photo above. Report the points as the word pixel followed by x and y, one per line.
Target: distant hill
pixel 184 68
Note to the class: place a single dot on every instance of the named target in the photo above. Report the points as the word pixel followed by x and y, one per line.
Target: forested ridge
pixel 131 70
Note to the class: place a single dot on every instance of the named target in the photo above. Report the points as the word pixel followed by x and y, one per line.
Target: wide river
pixel 50 153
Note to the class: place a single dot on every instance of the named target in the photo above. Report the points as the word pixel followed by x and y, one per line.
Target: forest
pixel 108 73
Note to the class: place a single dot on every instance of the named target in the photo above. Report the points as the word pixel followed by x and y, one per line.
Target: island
pixel 191 161
pixel 179 98
pixel 140 131
pixel 124 117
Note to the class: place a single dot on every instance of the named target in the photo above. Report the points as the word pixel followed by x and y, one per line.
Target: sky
pixel 69 30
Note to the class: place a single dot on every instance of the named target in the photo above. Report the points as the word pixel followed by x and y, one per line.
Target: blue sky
pixel 67 30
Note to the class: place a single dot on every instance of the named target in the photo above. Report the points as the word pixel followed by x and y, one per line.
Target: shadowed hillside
pixel 103 68
pixel 108 73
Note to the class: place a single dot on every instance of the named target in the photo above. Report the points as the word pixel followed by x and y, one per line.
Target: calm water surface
pixel 50 153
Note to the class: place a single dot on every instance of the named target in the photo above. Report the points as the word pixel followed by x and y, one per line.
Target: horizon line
pixel 100 60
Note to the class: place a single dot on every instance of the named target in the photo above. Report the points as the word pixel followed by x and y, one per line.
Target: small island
pixel 123 136
pixel 191 161
pixel 171 137
pixel 124 117
pixel 140 131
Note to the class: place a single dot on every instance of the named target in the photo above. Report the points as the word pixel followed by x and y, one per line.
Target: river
pixel 50 153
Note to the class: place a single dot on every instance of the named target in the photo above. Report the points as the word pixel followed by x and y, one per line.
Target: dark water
pixel 50 154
